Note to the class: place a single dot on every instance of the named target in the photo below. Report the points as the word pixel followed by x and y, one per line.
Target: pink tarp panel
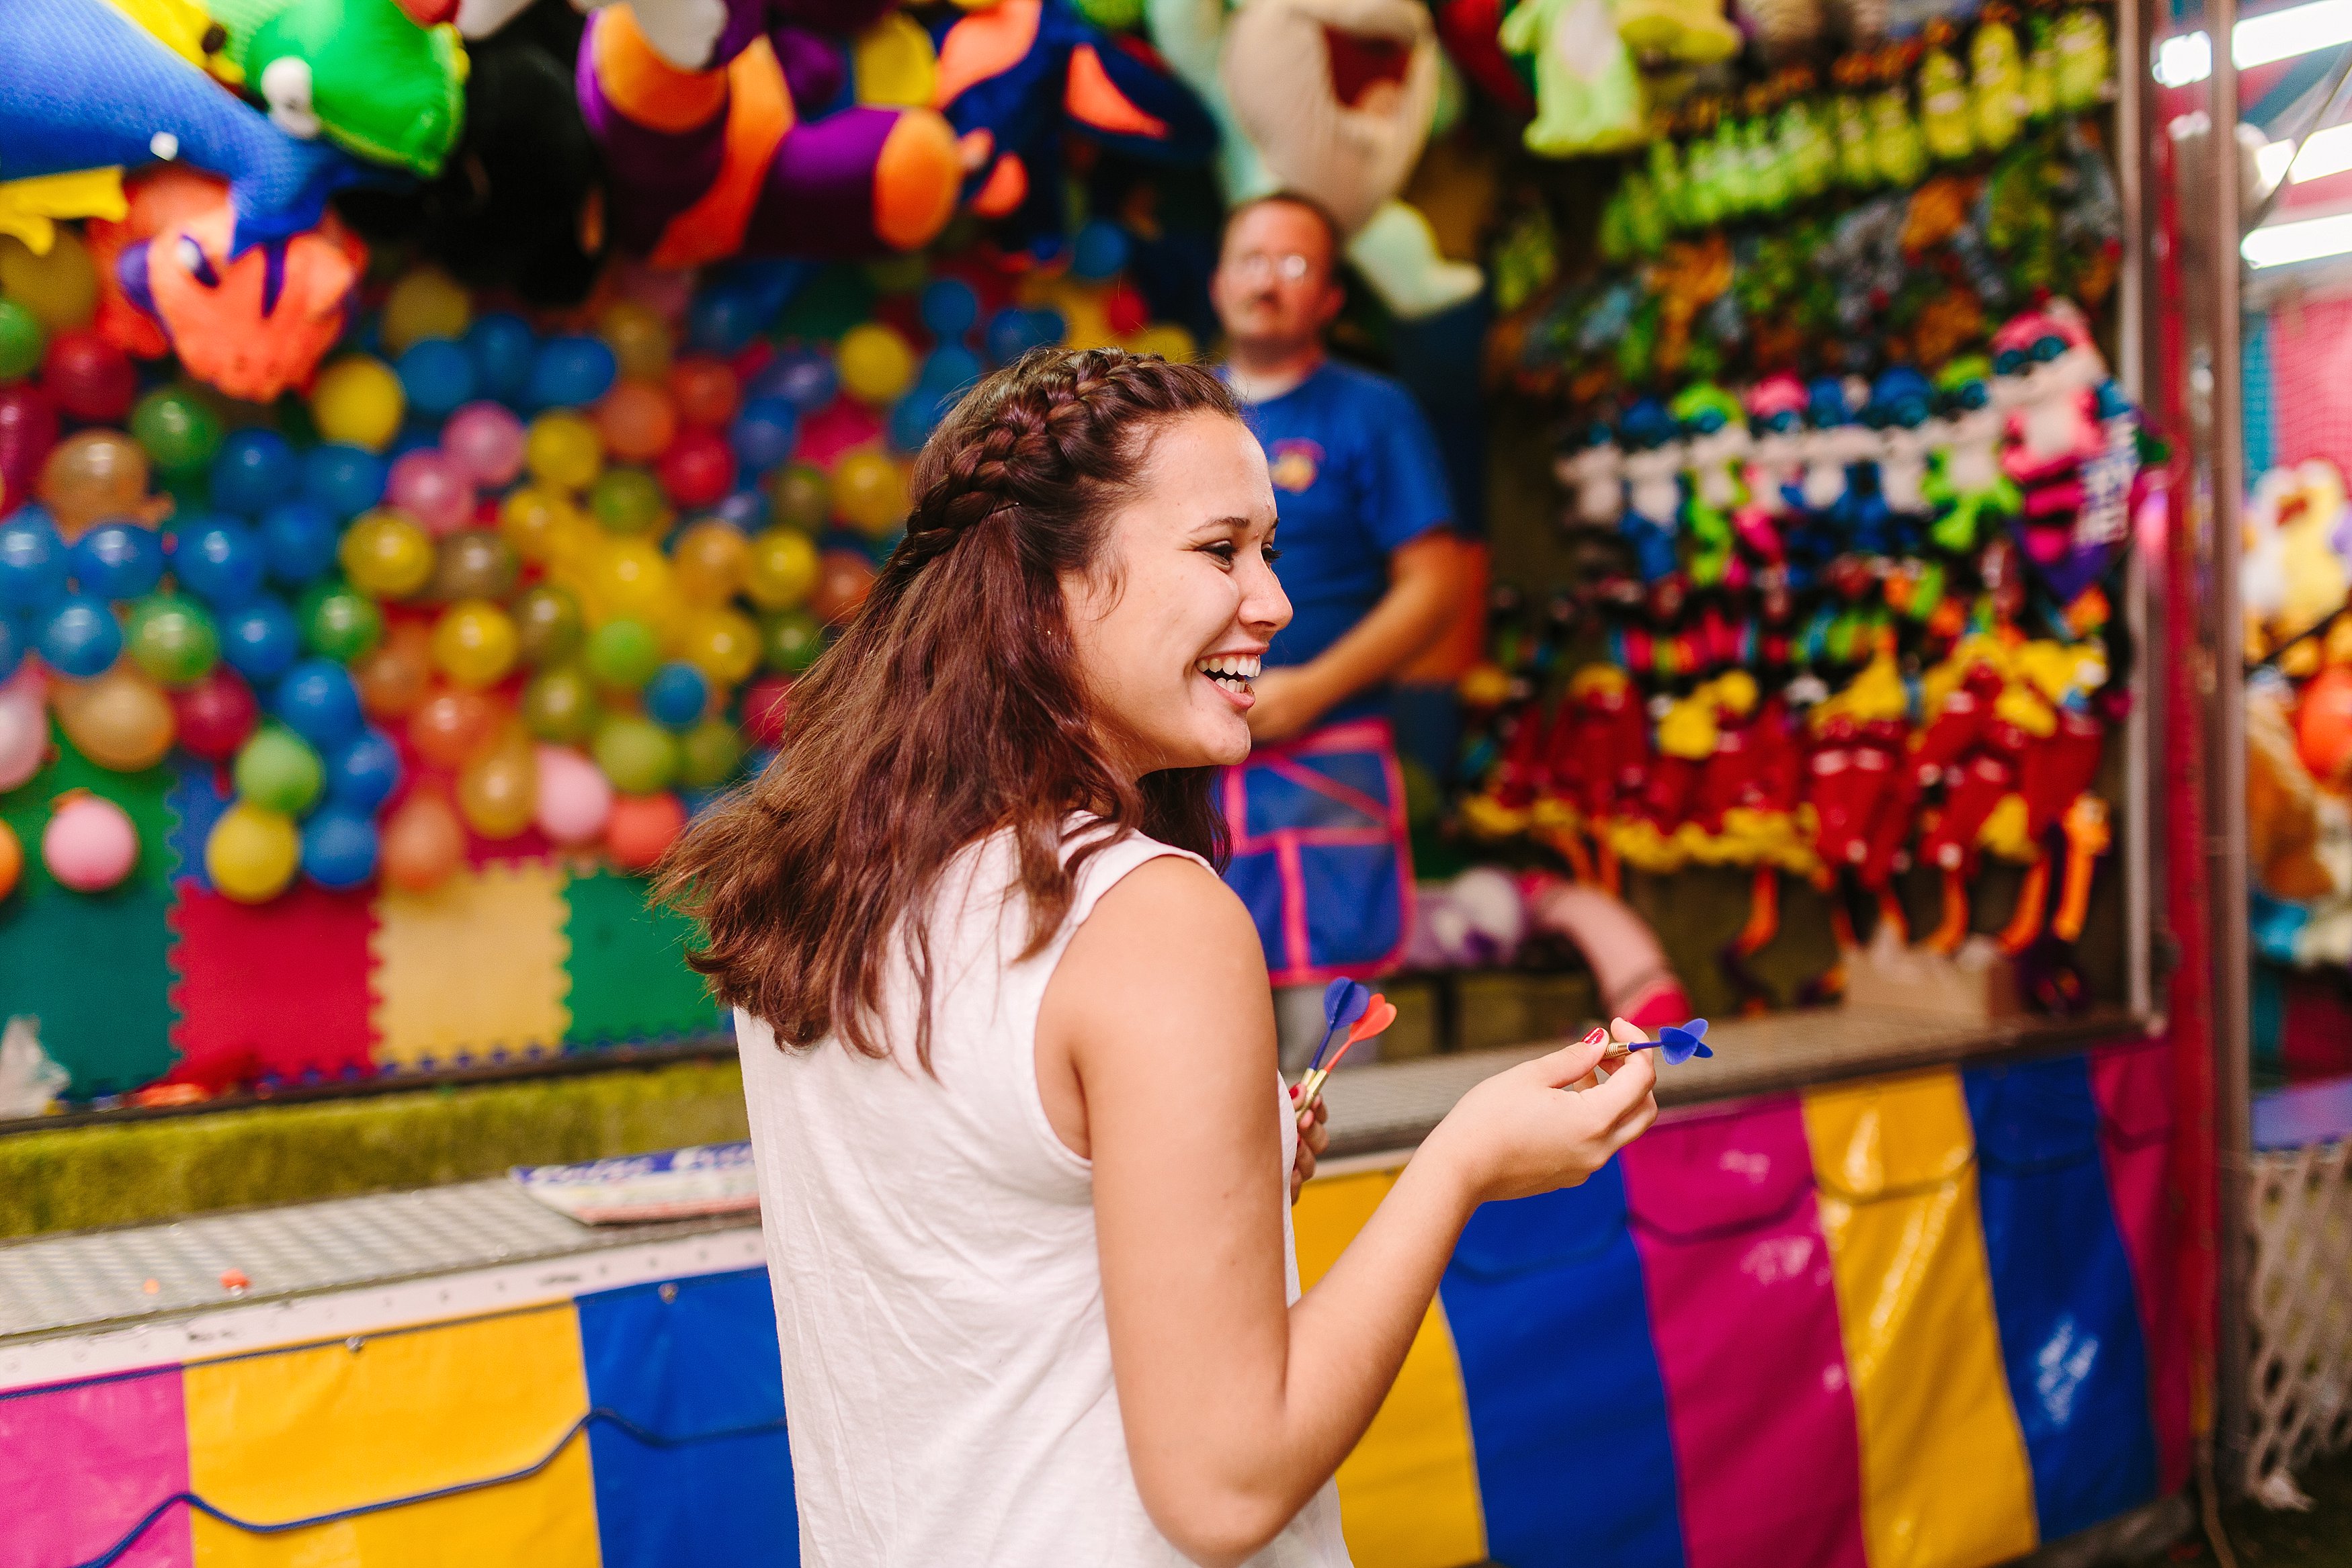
pixel 84 1462
pixel 1723 1211
pixel 2133 1084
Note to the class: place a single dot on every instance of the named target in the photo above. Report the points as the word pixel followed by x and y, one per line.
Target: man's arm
pixel 1424 593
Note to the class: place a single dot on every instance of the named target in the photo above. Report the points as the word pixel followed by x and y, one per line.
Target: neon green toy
pixel 1944 118
pixel 1587 98
pixel 359 72
pixel 1996 81
pixel 1804 140
pixel 1895 139
pixel 2080 41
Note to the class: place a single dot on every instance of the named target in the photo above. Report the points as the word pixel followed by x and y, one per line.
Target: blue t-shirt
pixel 1355 474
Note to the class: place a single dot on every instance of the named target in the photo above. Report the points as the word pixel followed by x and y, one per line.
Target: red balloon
pixel 90 378
pixel 215 715
pixel 1126 311
pixel 765 702
pixel 641 827
pixel 28 428
pixel 699 469
pixel 705 391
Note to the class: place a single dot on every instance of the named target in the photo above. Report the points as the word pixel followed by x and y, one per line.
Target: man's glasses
pixel 1257 264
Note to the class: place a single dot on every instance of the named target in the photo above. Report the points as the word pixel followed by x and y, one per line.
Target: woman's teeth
pixel 1230 669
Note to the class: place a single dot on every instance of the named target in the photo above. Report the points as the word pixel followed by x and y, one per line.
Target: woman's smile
pixel 1232 673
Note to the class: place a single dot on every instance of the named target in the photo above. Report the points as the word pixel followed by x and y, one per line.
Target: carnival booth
pixel 433 438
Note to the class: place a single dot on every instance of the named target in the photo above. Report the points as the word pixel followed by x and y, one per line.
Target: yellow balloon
pixel 358 400
pixel 497 792
pixel 876 364
pixel 59 288
pixel 895 65
pixel 386 554
pixel 1086 324
pixel 639 338
pixel 475 642
pixel 723 644
pixel 251 853
pixel 563 452
pixel 712 561
pixel 783 569
pixel 632 579
pixel 425 303
pixel 121 720
pixel 534 521
pixel 869 492
pixel 1168 341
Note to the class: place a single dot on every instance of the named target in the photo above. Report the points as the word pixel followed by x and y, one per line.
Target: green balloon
pixel 174 639
pixel 790 641
pixel 803 498
pixel 709 754
pixel 636 754
pixel 547 624
pixel 22 342
pixel 624 654
pixel 277 768
pixel 179 429
pixel 560 705
pixel 627 500
pixel 339 622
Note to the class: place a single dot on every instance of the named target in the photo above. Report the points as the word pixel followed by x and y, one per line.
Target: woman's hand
pixel 1546 1123
pixel 1314 1137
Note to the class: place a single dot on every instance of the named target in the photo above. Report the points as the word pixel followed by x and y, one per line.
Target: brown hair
pixel 950 709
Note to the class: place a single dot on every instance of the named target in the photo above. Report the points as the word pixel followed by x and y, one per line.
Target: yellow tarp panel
pixel 1945 1479
pixel 296 1433
pixel 1409 1494
pixel 476 965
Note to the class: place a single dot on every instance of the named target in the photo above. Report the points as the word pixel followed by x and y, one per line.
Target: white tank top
pixel 939 1302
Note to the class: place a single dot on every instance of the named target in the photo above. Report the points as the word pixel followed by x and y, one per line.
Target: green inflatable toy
pixel 359 72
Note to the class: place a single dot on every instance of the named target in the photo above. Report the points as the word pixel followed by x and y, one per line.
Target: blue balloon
pixel 260 639
pixel 118 561
pixel 297 542
pixel 346 480
pixel 1098 251
pixel 253 471
pixel 764 434
pixel 570 371
pixel 80 637
pixel 675 695
pixel 503 347
pixel 318 702
pixel 950 308
pixel 1012 332
pixel 12 648
pixel 746 509
pixel 801 377
pixel 951 368
pixel 363 774
pixel 415 436
pixel 916 415
pixel 437 375
pixel 219 561
pixel 32 559
pixel 339 849
pixel 722 319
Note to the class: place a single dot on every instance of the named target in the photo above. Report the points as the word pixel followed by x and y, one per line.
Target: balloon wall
pixel 335 731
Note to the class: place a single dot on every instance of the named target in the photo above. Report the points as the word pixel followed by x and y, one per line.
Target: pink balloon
pixel 89 844
pixel 574 796
pixel 434 489
pixel 486 441
pixel 23 736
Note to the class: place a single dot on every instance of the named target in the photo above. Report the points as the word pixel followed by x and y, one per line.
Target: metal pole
pixel 2132 296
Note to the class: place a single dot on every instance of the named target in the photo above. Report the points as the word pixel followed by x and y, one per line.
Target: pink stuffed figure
pixel 2054 423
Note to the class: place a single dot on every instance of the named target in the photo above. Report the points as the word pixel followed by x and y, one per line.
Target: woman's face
pixel 1171 626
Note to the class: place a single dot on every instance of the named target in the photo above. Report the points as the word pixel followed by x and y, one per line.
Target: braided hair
pixel 948 710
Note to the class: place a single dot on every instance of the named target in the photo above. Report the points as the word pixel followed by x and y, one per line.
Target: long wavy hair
pixel 950 709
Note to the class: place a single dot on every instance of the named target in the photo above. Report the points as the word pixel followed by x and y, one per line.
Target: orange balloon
pixel 422 841
pixel 843 580
pixel 395 676
pixel 642 827
pixel 637 421
pixel 704 391
pixel 454 725
pixel 498 793
pixel 2322 724
pixel 95 475
pixel 12 860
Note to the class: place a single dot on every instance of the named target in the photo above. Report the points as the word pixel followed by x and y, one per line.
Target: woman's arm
pixel 1238 1407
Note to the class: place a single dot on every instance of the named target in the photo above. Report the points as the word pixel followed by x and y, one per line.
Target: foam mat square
pixel 277 989
pixel 627 962
pixel 472 971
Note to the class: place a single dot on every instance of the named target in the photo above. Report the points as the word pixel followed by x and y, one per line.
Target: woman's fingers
pixel 1568 1067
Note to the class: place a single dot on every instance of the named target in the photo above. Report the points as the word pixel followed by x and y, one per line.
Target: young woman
pixel 1007 1039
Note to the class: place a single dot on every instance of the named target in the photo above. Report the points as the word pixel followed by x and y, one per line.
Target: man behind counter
pixel 1370 565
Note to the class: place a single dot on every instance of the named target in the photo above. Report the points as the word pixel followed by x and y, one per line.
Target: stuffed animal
pixel 1717 444
pixel 86 88
pixel 1587 98
pixel 1685 32
pixel 1013 76
pixel 1656 457
pixel 1965 482
pixel 1595 476
pixel 360 72
pixel 1334 99
pixel 720 156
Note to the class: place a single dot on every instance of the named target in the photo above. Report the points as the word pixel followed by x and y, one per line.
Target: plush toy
pixel 1784 28
pixel 1945 118
pixel 1334 99
pixel 360 72
pixel 1595 476
pixel 1470 30
pixel 1995 80
pixel 86 88
pixel 1656 457
pixel 1685 32
pixel 1776 415
pixel 1011 76
pixel 715 157
pixel 1900 402
pixel 1717 446
pixel 1965 482
pixel 1587 98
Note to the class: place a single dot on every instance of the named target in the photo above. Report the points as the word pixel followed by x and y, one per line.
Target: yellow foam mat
pixel 1409 1494
pixel 1945 1479
pixel 475 966
pixel 302 1433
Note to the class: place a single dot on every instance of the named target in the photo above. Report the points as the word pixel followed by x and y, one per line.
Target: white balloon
pixel 24 737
